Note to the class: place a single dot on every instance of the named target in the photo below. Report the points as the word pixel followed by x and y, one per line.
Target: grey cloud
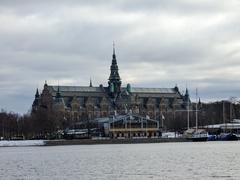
pixel 158 44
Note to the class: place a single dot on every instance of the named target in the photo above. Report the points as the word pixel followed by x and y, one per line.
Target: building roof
pixel 76 89
pixel 153 90
pixel 86 91
pixel 99 89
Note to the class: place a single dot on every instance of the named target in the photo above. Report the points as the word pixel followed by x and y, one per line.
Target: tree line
pixel 45 124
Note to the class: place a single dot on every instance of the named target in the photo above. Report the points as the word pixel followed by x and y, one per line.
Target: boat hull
pixel 227 137
pixel 199 139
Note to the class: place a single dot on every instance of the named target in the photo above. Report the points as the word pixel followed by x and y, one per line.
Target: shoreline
pixel 112 141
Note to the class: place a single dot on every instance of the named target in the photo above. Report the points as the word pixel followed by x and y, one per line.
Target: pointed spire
pixel 113 48
pixel 36 101
pixel 199 103
pixel 90 85
pixel 114 61
pixel 37 94
pixel 186 93
pixel 186 97
pixel 114 78
pixel 114 67
pixel 59 99
pixel 58 94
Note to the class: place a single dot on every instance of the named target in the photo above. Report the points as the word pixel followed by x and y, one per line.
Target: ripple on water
pixel 210 160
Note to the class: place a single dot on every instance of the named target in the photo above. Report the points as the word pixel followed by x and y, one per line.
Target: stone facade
pixel 81 103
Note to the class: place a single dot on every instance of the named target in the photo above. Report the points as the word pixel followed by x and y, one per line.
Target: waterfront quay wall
pixel 112 141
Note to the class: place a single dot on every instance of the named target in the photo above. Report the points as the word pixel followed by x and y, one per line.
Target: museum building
pixel 84 103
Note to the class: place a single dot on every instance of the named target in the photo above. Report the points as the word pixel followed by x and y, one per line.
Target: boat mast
pixel 188 99
pixel 196 110
pixel 224 122
pixel 230 108
pixel 230 113
pixel 188 114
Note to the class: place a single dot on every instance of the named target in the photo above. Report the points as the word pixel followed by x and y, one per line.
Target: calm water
pixel 206 160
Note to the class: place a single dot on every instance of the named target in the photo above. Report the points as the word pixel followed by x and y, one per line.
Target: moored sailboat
pixel 196 134
pixel 226 136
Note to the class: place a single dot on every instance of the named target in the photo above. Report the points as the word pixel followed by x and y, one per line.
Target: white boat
pixel 196 135
pixel 200 136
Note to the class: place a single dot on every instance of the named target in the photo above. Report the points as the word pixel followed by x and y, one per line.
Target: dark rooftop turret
pixel 186 98
pixel 37 94
pixel 176 88
pixel 58 94
pixel 45 84
pixel 90 85
pixel 59 99
pixel 36 100
pixel 186 93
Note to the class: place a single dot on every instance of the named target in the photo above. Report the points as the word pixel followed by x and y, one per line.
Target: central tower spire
pixel 114 82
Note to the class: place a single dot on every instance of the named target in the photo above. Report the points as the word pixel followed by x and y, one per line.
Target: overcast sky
pixel 159 43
